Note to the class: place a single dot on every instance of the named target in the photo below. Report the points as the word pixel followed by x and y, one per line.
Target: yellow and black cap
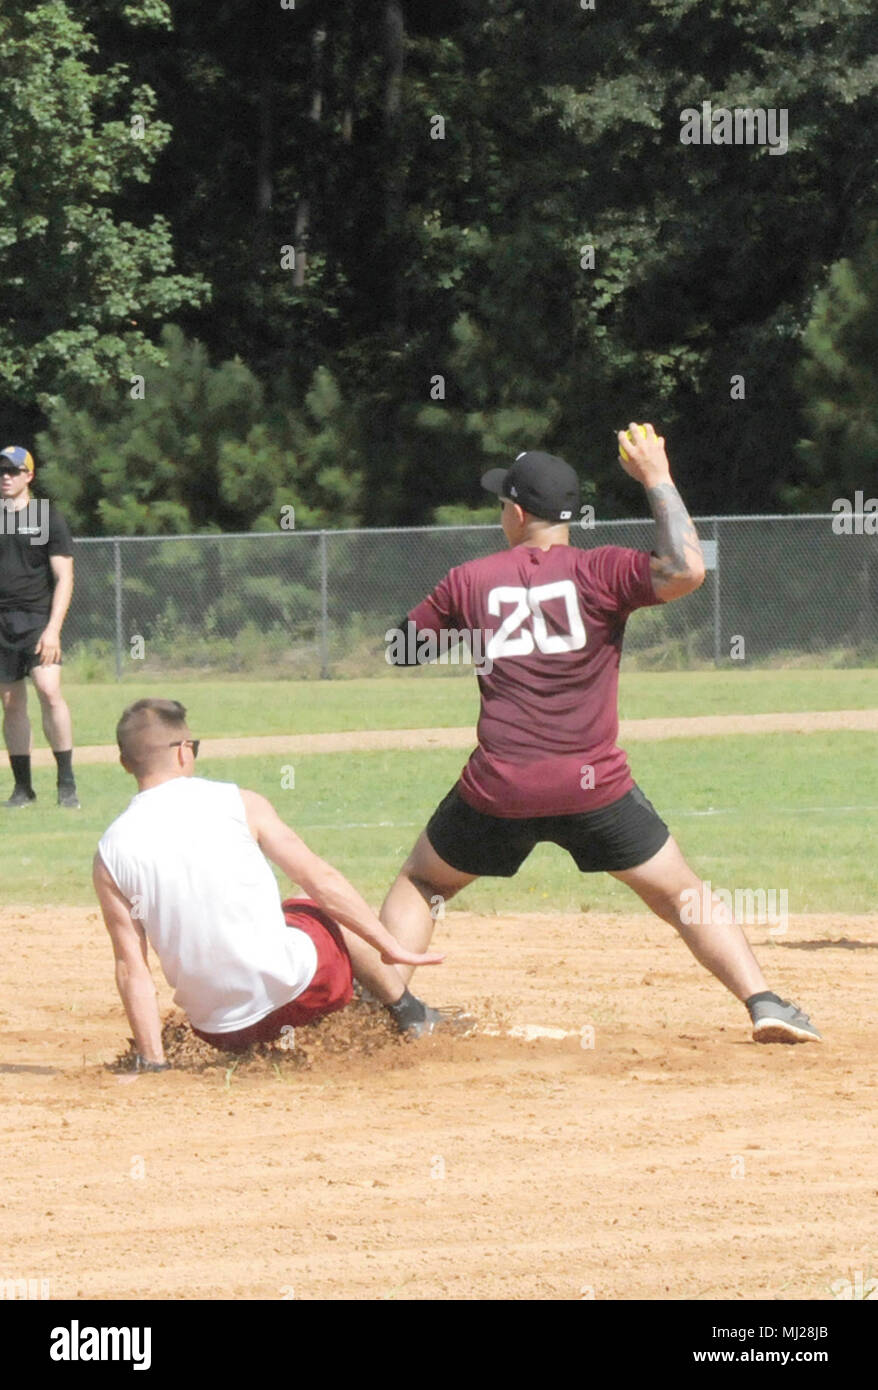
pixel 20 458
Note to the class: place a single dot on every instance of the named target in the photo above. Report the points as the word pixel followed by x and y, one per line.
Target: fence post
pixel 717 604
pixel 117 584
pixel 324 611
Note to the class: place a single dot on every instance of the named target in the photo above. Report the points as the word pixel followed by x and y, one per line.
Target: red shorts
pixel 331 988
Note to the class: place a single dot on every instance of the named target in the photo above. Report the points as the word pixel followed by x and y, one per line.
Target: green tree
pixel 838 380
pixel 439 312
pixel 194 447
pixel 704 258
pixel 83 289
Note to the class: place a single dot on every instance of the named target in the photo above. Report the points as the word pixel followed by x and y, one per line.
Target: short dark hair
pixel 135 732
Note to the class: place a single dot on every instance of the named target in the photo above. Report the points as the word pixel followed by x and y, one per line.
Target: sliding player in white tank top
pixel 184 870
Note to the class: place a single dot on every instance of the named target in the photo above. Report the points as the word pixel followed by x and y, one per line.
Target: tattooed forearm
pixel 677 545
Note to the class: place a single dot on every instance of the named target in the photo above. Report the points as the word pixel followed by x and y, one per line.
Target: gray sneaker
pixel 67 797
pixel 441 1021
pixel 21 796
pixel 779 1021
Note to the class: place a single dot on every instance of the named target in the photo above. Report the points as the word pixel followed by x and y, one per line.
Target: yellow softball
pixel 622 455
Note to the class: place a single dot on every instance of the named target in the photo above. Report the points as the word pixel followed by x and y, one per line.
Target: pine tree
pixel 838 381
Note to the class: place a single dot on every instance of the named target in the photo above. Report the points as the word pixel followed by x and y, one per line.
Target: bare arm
pixel 49 645
pixel 133 977
pixel 678 566
pixel 323 883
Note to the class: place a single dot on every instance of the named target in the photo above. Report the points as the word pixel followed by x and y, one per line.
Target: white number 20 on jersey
pixel 512 638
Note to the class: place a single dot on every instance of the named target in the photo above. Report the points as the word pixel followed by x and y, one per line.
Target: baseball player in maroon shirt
pixel 547 766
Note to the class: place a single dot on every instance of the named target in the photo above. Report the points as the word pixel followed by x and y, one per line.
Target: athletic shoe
pixel 21 796
pixel 441 1021
pixel 779 1021
pixel 67 798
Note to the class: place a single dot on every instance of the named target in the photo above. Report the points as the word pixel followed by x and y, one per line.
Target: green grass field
pixel 773 811
pixel 415 700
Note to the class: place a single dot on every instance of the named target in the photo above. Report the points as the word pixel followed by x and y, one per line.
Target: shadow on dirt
pixel 16 1067
pixel 844 944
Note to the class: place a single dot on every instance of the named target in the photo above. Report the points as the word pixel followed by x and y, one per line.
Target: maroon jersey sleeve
pixel 438 610
pixel 621 580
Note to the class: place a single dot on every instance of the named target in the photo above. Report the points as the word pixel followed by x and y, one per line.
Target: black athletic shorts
pixel 19 634
pixel 619 836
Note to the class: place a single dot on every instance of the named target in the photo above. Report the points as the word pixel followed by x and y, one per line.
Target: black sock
pixel 407 1010
pixel 65 768
pixel 20 763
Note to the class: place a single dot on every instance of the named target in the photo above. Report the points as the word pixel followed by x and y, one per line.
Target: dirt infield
pixel 672 1158
pixel 630 731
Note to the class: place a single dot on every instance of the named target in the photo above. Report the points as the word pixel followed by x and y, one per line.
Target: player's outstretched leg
pixel 670 887
pixel 58 728
pixel 424 885
pixel 16 732
pixel 385 984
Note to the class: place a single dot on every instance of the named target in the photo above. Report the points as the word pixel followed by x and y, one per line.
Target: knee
pixel 431 891
pixel 672 907
pixel 14 698
pixel 51 699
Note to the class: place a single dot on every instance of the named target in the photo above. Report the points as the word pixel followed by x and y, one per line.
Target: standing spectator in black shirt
pixel 36 582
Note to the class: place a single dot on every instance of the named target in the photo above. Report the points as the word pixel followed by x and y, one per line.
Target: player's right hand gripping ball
pixel 622 455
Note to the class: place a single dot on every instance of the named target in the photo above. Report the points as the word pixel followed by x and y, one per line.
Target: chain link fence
pixel 317 603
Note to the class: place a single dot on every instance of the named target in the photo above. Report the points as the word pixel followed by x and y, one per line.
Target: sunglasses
pixel 193 743
pixel 10 472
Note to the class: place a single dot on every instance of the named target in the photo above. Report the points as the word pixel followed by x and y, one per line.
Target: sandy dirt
pixel 630 731
pixel 673 1158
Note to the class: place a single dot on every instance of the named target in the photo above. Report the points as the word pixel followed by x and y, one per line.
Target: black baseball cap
pixel 541 484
